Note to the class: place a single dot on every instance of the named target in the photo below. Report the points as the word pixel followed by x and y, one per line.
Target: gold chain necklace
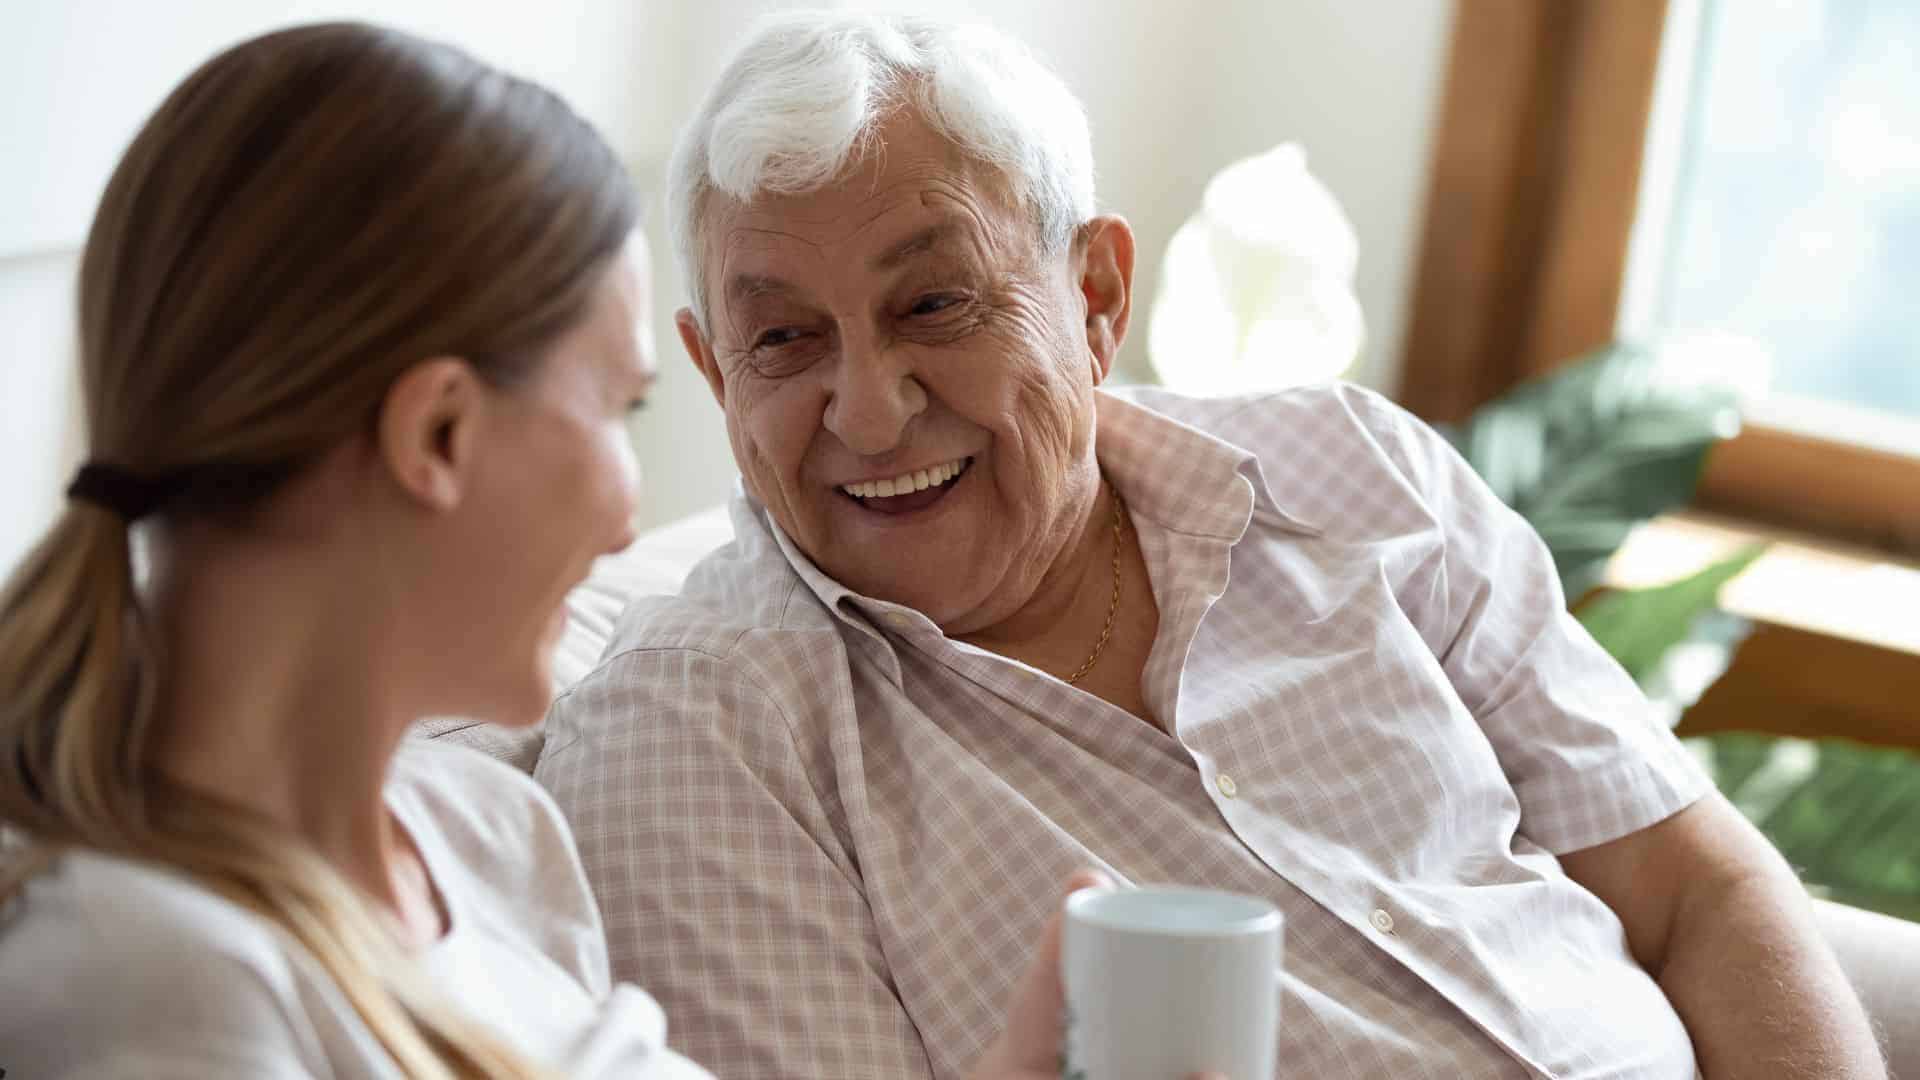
pixel 1113 607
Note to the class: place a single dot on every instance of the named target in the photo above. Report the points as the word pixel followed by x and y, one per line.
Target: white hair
pixel 799 104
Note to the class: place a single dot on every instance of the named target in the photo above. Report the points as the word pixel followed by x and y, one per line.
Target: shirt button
pixel 1382 921
pixel 1226 785
pixel 900 620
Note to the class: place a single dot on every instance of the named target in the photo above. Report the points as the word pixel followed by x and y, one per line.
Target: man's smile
pixel 909 491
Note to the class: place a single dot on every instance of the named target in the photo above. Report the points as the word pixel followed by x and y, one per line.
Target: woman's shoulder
pixel 126 912
pixel 103 957
pixel 496 839
pixel 477 803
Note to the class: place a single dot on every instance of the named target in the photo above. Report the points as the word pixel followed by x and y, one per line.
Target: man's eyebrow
pixel 744 287
pixel 931 238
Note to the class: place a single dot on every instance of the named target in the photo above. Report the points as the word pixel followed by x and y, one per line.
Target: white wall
pixel 39 421
pixel 1174 91
pixel 81 75
pixel 78 77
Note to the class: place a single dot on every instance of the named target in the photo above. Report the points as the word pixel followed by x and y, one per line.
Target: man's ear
pixel 429 427
pixel 1106 285
pixel 700 351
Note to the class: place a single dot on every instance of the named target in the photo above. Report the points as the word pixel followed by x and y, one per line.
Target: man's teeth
pixel 906 483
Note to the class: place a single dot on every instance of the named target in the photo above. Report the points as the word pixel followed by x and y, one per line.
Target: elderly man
pixel 984 622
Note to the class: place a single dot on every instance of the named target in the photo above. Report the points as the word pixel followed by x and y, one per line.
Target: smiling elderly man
pixel 984 623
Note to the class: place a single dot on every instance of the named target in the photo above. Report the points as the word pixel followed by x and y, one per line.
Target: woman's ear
pixel 1106 286
pixel 428 429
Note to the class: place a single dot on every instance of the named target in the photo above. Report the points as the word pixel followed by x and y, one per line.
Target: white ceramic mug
pixel 1165 982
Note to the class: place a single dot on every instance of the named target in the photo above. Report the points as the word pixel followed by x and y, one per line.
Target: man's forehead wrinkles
pixel 933 238
pixel 747 238
pixel 980 235
pixel 859 196
pixel 744 287
pixel 924 210
pixel 884 241
pixel 739 244
pixel 820 231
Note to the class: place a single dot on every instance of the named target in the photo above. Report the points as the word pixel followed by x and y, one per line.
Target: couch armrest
pixel 1881 955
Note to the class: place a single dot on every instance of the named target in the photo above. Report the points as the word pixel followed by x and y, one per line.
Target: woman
pixel 361 320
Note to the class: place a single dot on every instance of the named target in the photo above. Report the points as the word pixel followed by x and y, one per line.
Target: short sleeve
pixel 1584 752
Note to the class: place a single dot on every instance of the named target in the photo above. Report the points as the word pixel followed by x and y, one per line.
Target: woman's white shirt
pixel 113 968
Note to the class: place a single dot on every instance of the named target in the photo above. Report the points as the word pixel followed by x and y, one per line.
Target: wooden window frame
pixel 1534 185
pixel 1533 189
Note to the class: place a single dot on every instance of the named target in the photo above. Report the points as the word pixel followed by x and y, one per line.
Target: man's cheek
pixel 769 478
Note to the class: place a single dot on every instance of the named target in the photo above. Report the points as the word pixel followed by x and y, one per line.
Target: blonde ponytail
pixel 69 650
pixel 76 693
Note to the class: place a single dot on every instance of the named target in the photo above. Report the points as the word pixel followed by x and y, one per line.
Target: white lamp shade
pixel 1256 290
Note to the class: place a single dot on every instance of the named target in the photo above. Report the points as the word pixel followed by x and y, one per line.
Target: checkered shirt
pixel 824 834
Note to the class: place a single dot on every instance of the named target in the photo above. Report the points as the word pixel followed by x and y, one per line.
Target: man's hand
pixel 1718 918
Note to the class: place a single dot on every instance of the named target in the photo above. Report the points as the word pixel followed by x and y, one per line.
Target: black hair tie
pixel 126 493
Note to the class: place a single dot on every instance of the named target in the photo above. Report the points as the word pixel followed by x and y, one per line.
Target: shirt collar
pixel 1178 476
pixel 1182 478
pixel 831 592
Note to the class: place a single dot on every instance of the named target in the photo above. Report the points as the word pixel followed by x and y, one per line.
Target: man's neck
pixel 1062 627
pixel 1072 595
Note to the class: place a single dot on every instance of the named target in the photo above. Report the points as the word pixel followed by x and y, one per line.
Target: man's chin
pixel 922 590
pixel 954 602
pixel 934 572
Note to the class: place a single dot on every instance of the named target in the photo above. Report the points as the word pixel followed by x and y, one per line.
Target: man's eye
pixel 773 339
pixel 933 304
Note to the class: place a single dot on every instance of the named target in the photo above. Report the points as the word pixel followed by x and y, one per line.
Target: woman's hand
pixel 1029 1046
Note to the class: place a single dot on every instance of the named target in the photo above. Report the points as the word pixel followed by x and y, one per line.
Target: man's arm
pixel 723 888
pixel 1710 909
pixel 1718 918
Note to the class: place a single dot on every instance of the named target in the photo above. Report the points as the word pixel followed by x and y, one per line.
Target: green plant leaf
pixel 1592 450
pixel 1638 626
pixel 1844 815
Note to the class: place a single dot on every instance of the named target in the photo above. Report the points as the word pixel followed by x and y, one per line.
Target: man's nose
pixel 875 396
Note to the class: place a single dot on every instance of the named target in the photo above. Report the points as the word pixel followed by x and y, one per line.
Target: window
pixel 1787 210
pixel 1776 144
pixel 1654 166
